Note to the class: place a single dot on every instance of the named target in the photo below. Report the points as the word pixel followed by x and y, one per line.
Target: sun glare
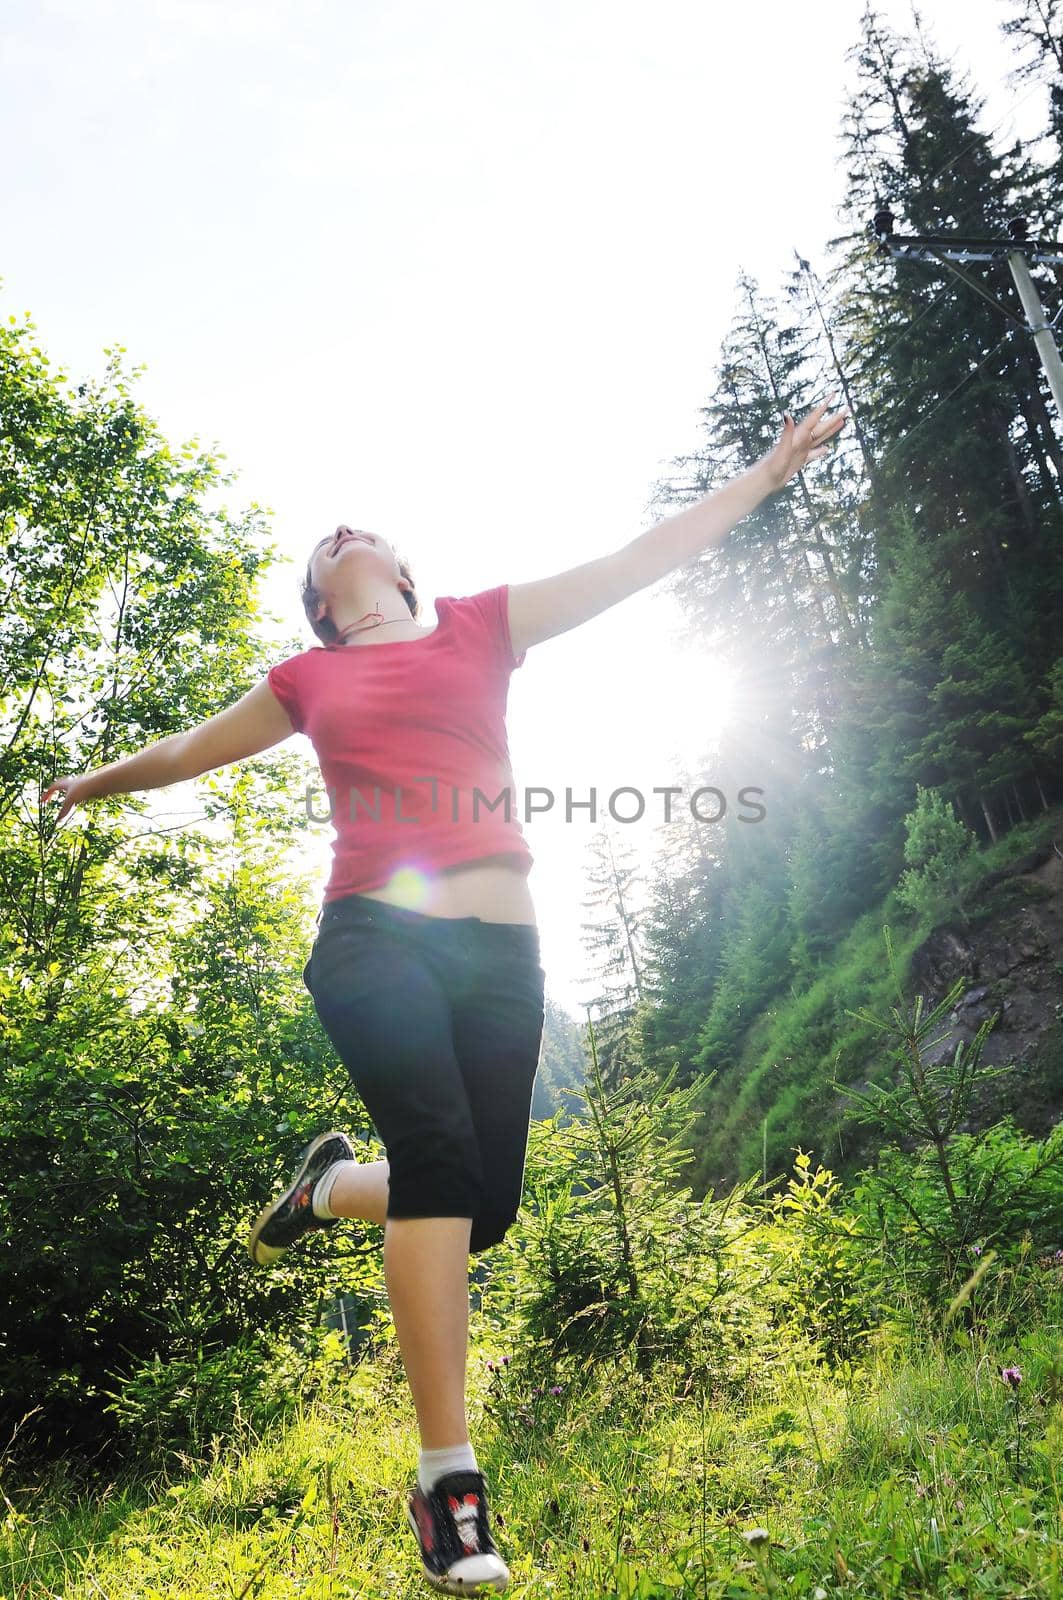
pixel 695 709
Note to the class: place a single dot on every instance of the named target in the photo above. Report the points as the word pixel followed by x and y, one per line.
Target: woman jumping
pixel 425 970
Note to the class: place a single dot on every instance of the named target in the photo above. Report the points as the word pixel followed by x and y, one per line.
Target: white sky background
pixel 455 273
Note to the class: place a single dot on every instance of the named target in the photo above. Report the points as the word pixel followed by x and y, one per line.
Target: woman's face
pixel 349 558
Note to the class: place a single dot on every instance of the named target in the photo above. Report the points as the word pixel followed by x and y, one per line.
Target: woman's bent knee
pixel 420 1185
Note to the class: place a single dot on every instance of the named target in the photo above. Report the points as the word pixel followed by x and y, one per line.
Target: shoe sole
pixel 265 1255
pixel 456 1585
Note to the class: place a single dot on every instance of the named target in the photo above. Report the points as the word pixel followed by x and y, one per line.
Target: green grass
pixel 897 1478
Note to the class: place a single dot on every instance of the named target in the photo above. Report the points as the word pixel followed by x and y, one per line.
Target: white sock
pixel 433 1464
pixel 319 1200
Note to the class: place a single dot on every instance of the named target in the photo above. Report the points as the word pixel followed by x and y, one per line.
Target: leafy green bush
pixel 138 1148
pixel 1005 1206
pixel 829 1275
pixel 175 1408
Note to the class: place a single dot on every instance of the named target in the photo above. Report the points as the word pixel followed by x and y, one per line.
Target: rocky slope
pixel 1011 957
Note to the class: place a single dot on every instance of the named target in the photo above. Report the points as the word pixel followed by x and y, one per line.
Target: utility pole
pixel 1016 251
pixel 1042 331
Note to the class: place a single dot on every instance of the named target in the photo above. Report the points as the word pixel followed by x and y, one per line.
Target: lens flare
pixel 409 887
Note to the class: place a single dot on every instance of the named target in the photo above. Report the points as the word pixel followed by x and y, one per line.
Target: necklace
pixel 369 625
pixel 379 623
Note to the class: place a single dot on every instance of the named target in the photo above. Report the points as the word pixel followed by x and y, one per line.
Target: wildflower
pixel 556 1389
pixel 756 1536
pixel 1011 1375
pixel 505 1363
pixel 977 1248
pixel 490 1366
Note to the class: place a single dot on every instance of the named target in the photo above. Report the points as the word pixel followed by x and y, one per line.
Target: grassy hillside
pixel 799 1041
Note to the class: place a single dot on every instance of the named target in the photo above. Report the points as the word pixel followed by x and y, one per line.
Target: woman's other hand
pixel 75 791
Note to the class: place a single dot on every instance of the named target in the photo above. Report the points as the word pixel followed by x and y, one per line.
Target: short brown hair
pixel 325 629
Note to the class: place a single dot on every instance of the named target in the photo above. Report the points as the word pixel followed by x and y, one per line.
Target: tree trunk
pixel 1040 791
pixel 965 816
pixel 1049 479
pixel 1034 537
pixel 988 815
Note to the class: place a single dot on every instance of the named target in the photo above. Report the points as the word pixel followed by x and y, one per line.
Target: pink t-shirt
pixel 411 740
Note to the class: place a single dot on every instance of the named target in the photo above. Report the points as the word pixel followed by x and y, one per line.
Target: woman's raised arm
pixel 549 606
pixel 252 724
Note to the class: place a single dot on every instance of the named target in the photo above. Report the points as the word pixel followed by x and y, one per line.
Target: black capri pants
pixel 439 1022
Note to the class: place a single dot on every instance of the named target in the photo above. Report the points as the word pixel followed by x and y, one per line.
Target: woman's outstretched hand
pixel 75 791
pixel 801 442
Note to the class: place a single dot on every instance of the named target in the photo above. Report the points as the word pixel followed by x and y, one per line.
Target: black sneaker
pixel 457 1552
pixel 283 1221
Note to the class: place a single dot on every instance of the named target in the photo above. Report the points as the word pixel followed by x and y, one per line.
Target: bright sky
pixel 456 274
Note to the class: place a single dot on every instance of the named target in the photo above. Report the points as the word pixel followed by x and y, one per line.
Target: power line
pixel 1008 334
pixel 905 333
